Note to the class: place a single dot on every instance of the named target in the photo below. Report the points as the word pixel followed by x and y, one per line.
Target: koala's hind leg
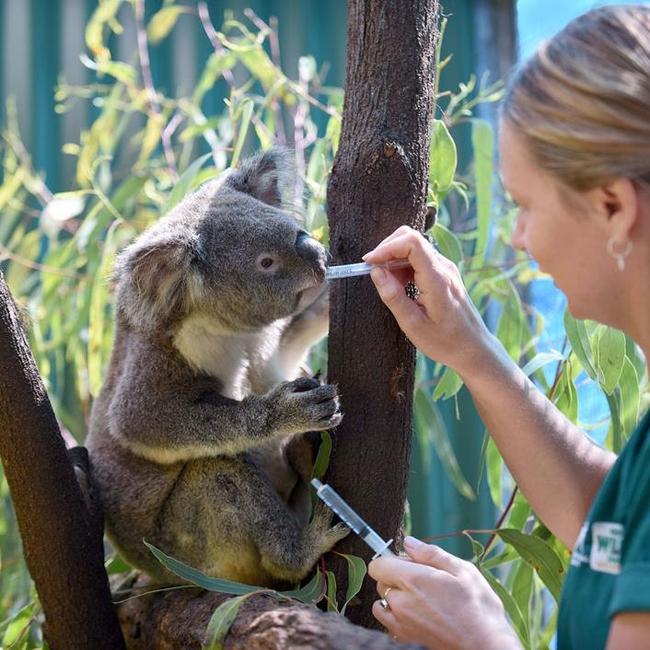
pixel 289 551
pixel 225 518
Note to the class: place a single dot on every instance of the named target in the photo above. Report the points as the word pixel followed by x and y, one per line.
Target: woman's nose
pixel 518 239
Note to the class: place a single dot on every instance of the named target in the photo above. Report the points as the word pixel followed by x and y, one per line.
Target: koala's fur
pixel 193 438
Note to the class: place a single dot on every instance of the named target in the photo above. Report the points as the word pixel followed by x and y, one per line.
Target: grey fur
pixel 195 436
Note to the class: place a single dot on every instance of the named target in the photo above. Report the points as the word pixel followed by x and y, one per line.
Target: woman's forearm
pixel 554 463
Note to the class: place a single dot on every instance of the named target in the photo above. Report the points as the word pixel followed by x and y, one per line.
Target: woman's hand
pixel 442 322
pixel 439 600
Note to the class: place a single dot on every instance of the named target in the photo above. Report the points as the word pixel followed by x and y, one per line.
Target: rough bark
pixel 62 544
pixel 179 619
pixel 378 183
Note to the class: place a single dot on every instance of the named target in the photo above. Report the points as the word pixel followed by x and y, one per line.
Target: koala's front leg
pixel 303 405
pixel 303 331
pixel 185 423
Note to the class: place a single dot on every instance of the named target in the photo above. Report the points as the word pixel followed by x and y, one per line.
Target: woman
pixel 575 157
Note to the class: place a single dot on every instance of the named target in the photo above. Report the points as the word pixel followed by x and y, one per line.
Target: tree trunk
pixel 379 182
pixel 62 547
pixel 178 619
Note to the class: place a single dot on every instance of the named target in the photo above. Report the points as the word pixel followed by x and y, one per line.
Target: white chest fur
pixel 210 349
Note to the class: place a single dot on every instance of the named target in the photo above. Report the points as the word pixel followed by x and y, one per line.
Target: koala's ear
pixel 157 281
pixel 266 176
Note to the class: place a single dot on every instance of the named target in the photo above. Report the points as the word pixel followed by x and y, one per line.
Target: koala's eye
pixel 267 263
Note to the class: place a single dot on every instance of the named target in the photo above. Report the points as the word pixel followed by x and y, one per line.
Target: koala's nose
pixel 309 249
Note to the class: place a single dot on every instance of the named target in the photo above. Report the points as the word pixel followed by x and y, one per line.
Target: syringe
pixel 352 519
pixel 361 268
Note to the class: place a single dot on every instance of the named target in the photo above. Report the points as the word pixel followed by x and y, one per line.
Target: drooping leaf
pixel 428 418
pixel 443 159
pixel 163 21
pixel 483 146
pixel 511 607
pixel 448 385
pixel 356 573
pixel 579 340
pixel 185 183
pixel 539 555
pixel 448 244
pixel 610 356
pixel 331 592
pixel 221 621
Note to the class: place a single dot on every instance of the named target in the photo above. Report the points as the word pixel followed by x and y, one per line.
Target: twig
pixel 145 67
pixel 502 518
pixel 6 254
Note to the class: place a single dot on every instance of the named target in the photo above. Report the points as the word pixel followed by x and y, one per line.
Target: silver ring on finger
pixel 383 602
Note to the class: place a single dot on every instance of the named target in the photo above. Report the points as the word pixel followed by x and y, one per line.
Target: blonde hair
pixel 582 102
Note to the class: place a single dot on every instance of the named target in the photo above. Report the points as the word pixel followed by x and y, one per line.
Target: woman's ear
pixel 618 206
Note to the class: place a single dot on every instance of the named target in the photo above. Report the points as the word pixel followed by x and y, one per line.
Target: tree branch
pixel 63 548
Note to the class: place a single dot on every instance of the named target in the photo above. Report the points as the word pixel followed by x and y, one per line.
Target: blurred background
pixel 92 148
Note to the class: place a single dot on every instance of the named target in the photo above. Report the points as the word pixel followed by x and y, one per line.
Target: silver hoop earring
pixel 619 255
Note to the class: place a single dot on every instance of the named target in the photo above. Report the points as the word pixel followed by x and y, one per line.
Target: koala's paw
pixel 303 405
pixel 320 531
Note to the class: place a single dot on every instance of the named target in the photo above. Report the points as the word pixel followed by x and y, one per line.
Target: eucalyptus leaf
pixel 579 340
pixel 511 607
pixel 310 593
pixel 443 158
pixel 447 243
pixel 184 183
pixel 356 573
pixel 448 385
pixel 221 621
pixel 483 146
pixel 428 418
pixel 539 555
pixel 610 355
pixel 163 21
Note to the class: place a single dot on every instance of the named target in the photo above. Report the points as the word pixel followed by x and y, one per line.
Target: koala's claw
pixel 303 405
pixel 323 535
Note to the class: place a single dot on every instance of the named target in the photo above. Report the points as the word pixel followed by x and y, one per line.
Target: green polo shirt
pixel 610 564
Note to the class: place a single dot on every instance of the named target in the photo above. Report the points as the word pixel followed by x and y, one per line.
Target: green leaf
pixel 566 395
pixel 443 158
pixel 221 622
pixel 18 626
pixel 199 578
pixel 163 21
pixel 215 66
pixel 483 145
pixel 610 355
pixel 448 244
pixel 356 573
pixel 323 457
pixel 579 340
pixel 331 592
pixel 428 418
pixel 539 555
pixel 246 107
pixel 100 325
pixel 540 360
pixel 511 607
pixel 494 472
pixel 631 396
pixel 448 385
pixel 184 183
pixel 308 594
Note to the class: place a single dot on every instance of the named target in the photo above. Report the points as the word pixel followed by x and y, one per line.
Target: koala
pixel 196 439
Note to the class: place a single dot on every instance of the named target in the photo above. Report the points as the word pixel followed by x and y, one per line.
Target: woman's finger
pixel 408 244
pixel 433 556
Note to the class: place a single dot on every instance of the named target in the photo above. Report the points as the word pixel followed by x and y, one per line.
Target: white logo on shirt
pixel 579 555
pixel 606 542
